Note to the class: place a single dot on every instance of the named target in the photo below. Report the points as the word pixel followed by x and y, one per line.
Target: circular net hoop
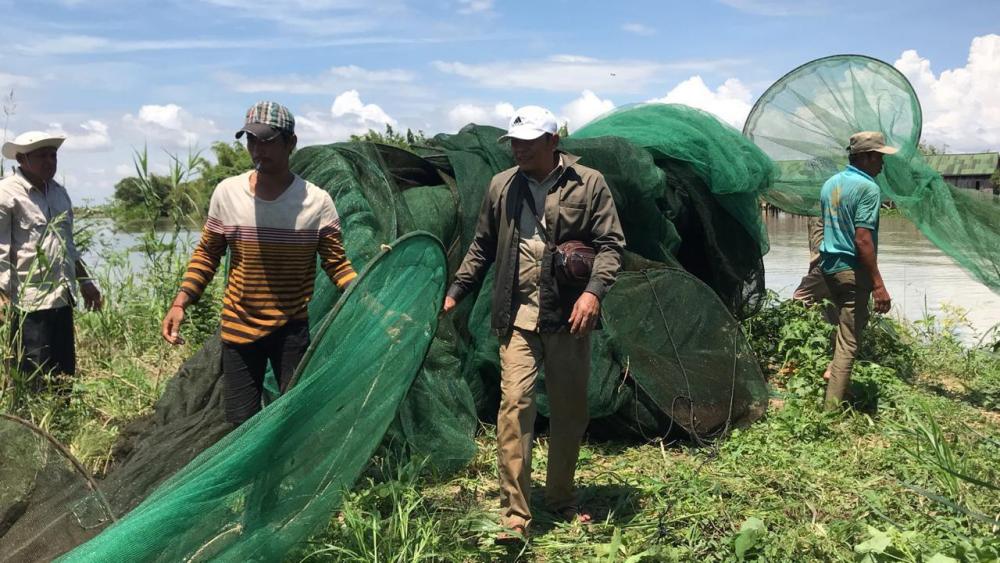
pixel 804 120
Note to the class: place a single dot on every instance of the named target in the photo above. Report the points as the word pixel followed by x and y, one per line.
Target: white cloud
pixel 580 111
pixel 475 6
pixel 573 73
pixel 961 106
pixel 319 36
pixel 781 7
pixel 348 115
pixel 85 44
pixel 498 115
pixel 171 125
pixel 319 18
pixel 93 137
pixel 349 104
pixel 638 29
pixel 15 81
pixel 731 101
pixel 336 78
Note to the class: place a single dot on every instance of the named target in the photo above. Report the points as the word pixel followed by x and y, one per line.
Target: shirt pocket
pixel 572 219
pixel 32 226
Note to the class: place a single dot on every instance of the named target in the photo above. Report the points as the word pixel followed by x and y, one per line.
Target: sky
pixel 115 76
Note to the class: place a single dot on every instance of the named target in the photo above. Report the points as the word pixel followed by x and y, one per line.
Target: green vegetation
pixel 392 137
pixel 910 473
pixel 122 362
pixel 179 197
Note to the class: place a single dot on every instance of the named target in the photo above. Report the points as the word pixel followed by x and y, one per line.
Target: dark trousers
pixel 43 342
pixel 244 366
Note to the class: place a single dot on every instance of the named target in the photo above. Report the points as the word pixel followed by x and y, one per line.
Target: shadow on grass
pixel 612 503
pixel 987 401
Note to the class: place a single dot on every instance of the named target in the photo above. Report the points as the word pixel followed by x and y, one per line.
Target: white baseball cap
pixel 531 122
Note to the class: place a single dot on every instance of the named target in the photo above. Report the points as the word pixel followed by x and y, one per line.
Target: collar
pixel 566 161
pixel 851 168
pixel 26 183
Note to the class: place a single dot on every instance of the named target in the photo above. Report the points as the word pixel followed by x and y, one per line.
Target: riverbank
pixel 922 280
pixel 892 476
pixel 885 481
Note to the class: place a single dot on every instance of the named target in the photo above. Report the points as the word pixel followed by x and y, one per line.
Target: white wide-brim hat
pixel 32 140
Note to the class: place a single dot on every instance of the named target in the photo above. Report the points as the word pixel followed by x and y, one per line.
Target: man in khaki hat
pixel 39 262
pixel 549 198
pixel 850 203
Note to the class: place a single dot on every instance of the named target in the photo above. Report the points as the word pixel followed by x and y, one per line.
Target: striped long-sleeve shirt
pixel 273 246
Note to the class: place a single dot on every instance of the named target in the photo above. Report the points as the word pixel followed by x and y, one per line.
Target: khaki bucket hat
pixel 869 141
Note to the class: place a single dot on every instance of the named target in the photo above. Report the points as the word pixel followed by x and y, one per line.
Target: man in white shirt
pixel 39 262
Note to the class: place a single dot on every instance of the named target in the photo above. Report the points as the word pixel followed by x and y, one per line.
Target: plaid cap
pixel 265 120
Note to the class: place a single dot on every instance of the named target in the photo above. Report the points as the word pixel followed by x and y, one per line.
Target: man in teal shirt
pixel 850 202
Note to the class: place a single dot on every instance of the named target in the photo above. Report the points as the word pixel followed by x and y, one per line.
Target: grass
pixel 122 363
pixel 909 474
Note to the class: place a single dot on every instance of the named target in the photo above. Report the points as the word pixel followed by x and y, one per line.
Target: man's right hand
pixel 882 300
pixel 449 304
pixel 172 325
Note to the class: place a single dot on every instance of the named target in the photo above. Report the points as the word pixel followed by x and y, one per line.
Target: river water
pixel 920 278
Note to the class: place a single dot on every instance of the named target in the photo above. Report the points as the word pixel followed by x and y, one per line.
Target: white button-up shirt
pixel 37 253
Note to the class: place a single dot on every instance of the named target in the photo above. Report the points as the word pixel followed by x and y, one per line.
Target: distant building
pixel 970 171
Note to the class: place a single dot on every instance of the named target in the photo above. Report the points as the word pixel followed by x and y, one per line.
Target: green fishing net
pixel 804 122
pixel 276 479
pixel 692 267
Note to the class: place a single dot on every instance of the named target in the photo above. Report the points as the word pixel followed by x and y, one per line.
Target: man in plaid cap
pixel 274 224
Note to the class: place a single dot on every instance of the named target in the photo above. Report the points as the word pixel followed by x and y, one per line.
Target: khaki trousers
pixel 851 291
pixel 566 359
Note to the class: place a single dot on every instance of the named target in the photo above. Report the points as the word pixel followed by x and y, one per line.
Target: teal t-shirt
pixel 850 199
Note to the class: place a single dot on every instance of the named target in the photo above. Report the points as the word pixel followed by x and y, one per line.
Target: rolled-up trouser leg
pixel 851 292
pixel 520 358
pixel 567 370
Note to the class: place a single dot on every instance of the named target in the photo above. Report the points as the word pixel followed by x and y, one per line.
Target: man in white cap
pixel 850 202
pixel 39 262
pixel 531 212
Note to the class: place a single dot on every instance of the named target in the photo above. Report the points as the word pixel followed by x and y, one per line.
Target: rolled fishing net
pixel 276 479
pixel 384 370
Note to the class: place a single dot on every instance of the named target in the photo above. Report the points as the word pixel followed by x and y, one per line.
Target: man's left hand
pixel 585 313
pixel 91 297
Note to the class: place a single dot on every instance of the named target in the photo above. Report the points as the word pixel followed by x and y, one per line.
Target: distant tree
pixel 995 181
pixel 928 149
pixel 231 159
pixel 392 137
pixel 151 196
pixel 183 194
pixel 563 130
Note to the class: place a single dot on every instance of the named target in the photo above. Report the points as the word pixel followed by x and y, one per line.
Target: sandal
pixel 574 513
pixel 515 534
